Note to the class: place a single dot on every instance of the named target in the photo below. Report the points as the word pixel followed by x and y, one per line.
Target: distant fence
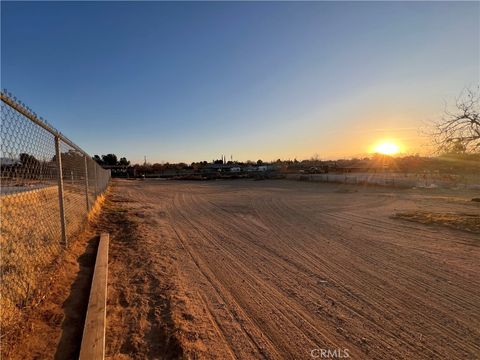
pixel 399 180
pixel 48 186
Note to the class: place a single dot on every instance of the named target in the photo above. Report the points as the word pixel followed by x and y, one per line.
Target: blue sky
pixel 182 81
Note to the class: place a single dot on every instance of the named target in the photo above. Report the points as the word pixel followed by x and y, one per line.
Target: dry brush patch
pixel 462 221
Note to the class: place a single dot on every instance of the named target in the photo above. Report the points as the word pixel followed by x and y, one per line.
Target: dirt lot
pixel 276 269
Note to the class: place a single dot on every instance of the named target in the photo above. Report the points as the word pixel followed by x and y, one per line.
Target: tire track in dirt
pixel 210 237
pixel 287 294
pixel 388 275
pixel 341 274
pixel 216 286
pixel 217 325
pixel 277 295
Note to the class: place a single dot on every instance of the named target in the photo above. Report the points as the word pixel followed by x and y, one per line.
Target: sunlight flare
pixel 387 148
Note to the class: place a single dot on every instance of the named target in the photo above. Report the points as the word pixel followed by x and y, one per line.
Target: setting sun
pixel 387 148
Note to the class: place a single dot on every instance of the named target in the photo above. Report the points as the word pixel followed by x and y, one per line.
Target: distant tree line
pixel 111 160
pixel 446 163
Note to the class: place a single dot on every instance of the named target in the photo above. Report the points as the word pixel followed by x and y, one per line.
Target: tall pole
pixel 86 183
pixel 60 191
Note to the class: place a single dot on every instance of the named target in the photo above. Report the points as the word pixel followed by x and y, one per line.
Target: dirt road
pixel 278 269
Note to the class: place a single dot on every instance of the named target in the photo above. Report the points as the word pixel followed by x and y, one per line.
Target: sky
pixel 190 81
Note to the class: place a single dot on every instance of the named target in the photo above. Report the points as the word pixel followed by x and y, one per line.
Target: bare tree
pixel 459 130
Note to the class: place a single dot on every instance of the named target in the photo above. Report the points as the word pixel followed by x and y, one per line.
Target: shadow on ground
pixel 75 306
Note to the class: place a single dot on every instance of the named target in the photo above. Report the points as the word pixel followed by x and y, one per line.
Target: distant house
pixel 267 167
pixel 222 168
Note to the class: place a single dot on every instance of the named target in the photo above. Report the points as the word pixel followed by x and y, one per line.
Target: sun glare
pixel 387 148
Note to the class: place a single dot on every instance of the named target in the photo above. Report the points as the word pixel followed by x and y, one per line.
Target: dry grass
pixel 462 221
pixel 30 243
pixel 97 207
pixel 29 240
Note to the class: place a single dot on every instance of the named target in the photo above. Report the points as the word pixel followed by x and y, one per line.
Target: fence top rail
pixel 11 101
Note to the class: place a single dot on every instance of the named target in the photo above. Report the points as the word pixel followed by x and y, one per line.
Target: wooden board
pixel 93 341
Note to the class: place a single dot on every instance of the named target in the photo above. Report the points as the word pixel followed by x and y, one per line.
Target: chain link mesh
pixel 31 235
pixel 74 192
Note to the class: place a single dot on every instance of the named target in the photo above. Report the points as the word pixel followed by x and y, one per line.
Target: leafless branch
pixel 459 130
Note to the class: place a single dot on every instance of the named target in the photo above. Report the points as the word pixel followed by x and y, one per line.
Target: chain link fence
pixel 48 187
pixel 399 180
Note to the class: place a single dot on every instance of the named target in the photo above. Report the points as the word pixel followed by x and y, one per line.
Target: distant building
pixel 9 162
pixel 120 170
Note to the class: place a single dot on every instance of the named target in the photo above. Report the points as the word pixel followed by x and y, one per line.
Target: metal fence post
pixel 86 183
pixel 60 190
pixel 95 180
